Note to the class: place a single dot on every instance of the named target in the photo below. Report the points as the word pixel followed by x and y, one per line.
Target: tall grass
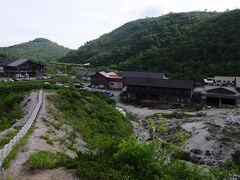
pixel 47 160
pixel 92 115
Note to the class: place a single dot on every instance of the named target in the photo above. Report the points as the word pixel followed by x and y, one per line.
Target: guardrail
pixel 8 147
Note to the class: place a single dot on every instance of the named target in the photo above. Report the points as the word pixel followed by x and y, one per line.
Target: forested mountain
pixel 184 45
pixel 39 49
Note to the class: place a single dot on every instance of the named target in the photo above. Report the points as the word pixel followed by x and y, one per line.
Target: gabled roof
pixel 133 74
pixel 110 75
pixel 5 61
pixel 14 62
pixel 17 62
pixel 231 89
pixel 163 83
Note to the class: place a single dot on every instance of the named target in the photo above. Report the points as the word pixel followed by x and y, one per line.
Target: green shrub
pixel 6 139
pixel 47 160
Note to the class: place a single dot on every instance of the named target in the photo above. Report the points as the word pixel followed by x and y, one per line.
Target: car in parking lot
pixel 78 85
pixel 101 86
pixel 58 84
pixel 109 93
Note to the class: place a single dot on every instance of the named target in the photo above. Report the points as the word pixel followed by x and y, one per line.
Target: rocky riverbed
pixel 214 133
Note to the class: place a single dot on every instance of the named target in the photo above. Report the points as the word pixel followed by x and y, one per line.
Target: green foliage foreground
pixel 128 160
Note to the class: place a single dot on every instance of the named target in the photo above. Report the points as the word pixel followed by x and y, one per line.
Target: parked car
pixel 17 79
pixel 39 78
pixel 58 84
pixel 101 86
pixel 78 85
pixel 18 76
pixel 91 86
pixel 26 78
pixel 110 94
pixel 10 80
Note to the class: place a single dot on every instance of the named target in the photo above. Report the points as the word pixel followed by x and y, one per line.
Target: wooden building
pixel 154 88
pixel 12 66
pixel 219 95
pixel 109 80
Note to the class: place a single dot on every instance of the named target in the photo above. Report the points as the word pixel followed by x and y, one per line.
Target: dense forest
pixel 183 45
pixel 39 49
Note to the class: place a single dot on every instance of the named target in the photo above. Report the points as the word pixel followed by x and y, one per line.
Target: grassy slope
pixel 91 114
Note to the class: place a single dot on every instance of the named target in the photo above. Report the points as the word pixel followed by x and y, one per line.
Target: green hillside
pixel 184 45
pixel 39 49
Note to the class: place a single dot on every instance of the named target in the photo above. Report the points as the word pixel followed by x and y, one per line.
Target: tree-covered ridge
pixel 39 49
pixel 184 45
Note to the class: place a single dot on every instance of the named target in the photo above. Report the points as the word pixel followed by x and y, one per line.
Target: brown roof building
pixel 11 66
pixel 155 88
pixel 109 80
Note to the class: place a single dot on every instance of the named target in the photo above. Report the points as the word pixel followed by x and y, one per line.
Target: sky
pixel 73 22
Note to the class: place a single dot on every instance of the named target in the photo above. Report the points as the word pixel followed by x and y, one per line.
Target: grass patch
pixel 176 115
pixel 47 138
pixel 6 139
pixel 56 125
pixel 92 114
pixel 47 160
pixel 12 155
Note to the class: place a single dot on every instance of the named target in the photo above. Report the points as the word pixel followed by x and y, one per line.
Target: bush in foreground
pixel 47 160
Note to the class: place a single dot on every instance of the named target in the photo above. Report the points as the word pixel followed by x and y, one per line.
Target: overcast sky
pixel 73 22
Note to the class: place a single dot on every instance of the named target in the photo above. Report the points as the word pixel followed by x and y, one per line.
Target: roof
pixel 85 73
pixel 143 74
pixel 232 89
pixel 81 73
pixel 5 61
pixel 164 83
pixel 13 62
pixel 224 78
pixel 17 62
pixel 111 75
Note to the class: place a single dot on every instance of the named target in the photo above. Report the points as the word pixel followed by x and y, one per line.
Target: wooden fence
pixel 8 147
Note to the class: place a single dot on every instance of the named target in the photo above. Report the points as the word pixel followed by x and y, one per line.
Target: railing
pixel 8 147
